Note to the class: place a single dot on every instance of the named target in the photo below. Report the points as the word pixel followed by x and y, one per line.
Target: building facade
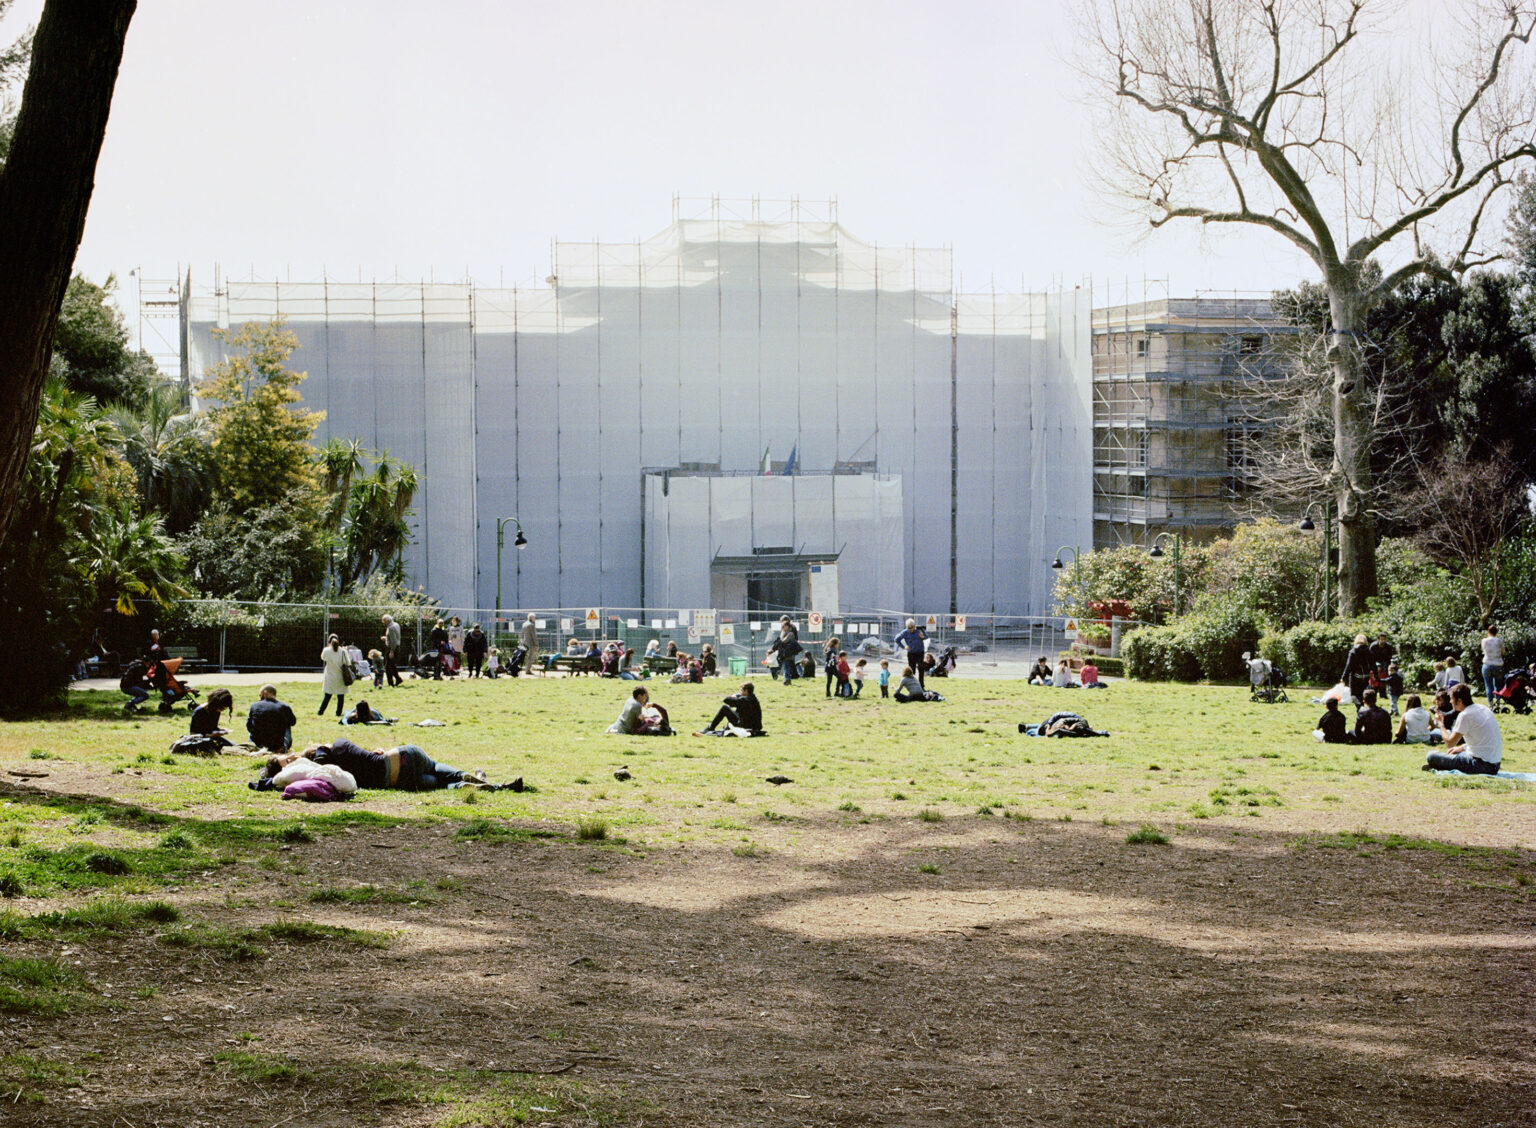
pixel 1170 436
pixel 633 413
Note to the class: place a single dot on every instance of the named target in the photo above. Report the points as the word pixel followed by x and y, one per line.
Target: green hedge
pixel 1313 653
pixel 1208 645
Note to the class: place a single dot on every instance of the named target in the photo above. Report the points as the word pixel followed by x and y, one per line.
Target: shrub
pixel 1207 644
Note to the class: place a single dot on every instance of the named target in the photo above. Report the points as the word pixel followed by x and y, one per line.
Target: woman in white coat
pixel 332 659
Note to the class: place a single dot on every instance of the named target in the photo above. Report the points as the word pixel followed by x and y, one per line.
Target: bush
pixel 1208 644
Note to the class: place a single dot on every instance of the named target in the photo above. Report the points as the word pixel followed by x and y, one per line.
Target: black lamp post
pixel 519 542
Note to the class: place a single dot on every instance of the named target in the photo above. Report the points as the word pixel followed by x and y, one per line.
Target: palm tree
pixel 167 446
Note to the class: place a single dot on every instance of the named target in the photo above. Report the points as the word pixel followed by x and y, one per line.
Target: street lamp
pixel 1156 552
pixel 1306 526
pixel 519 542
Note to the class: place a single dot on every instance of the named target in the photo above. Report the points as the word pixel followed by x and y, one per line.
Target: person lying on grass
pixel 406 768
pixel 741 712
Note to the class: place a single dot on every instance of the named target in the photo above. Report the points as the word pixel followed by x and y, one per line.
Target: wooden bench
pixel 579 664
pixel 660 664
pixel 190 662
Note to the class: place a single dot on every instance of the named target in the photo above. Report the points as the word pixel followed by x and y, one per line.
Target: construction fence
pixel 231 635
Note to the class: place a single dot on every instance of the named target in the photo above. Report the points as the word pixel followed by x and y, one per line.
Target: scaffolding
pixel 743 333
pixel 1170 441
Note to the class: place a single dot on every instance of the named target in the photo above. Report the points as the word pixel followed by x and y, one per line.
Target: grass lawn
pixel 592 951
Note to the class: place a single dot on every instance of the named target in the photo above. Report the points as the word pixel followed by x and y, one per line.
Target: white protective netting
pixel 706 345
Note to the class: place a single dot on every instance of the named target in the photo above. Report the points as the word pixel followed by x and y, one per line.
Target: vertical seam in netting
pixel 426 444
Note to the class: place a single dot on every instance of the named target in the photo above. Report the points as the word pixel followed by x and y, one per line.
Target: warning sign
pixel 727 634
pixel 593 621
pixel 933 622
pixel 1070 630
pixel 813 620
pixel 959 622
pixel 693 633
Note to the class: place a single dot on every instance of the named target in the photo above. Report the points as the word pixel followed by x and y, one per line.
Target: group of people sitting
pixel 1061 678
pixel 1456 721
pixel 741 714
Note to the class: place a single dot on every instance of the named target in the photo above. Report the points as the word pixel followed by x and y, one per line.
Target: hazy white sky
pixel 295 135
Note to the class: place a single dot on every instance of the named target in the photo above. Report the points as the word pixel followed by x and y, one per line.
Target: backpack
pixel 194 745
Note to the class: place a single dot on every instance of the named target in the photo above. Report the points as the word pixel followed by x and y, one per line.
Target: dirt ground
pixel 1047 973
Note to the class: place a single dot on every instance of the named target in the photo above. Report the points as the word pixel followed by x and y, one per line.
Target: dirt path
pixel 1047 973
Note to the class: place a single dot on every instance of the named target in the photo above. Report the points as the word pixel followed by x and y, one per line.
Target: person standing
pixel 1357 668
pixel 439 642
pixel 333 683
pixel 829 662
pixel 788 648
pixel 1382 653
pixel 475 646
pixel 1493 663
pixel 154 653
pixel 528 639
pixel 391 641
pixel 1475 745
pixel 915 643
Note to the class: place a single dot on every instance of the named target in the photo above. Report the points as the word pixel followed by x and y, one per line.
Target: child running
pixel 858 677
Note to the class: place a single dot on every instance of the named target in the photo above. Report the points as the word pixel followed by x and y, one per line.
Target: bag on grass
pixel 194 745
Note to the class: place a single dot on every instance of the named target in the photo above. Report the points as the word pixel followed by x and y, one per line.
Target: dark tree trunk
pixel 1353 437
pixel 45 188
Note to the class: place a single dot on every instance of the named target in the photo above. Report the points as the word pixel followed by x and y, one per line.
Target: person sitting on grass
pixel 270 721
pixel 1040 673
pixel 406 768
pixel 1372 723
pixel 1089 675
pixel 709 664
pixel 741 711
pixel 1063 678
pixel 1332 728
pixel 1475 745
pixel 1443 715
pixel 1416 726
pixel 911 689
pixel 640 717
pixel 205 718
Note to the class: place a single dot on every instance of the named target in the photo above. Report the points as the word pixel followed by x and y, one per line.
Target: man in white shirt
pixel 1475 745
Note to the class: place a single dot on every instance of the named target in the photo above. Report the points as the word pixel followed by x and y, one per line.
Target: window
pixel 1141 348
pixel 1250 346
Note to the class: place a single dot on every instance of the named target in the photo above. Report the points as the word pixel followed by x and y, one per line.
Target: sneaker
pixel 1426 767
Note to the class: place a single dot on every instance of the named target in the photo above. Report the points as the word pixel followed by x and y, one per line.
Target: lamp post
pixel 519 542
pixel 1306 526
pixel 1156 552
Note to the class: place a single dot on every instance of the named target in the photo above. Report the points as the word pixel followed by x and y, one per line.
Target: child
pixel 844 689
pixel 1394 685
pixel 885 678
pixel 858 677
pixel 376 660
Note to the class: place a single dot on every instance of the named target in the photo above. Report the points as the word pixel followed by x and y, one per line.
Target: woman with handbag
pixel 337 664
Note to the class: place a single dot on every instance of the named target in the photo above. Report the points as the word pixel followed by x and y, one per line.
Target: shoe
pixel 1426 767
pixel 478 775
pixel 516 784
pixel 705 732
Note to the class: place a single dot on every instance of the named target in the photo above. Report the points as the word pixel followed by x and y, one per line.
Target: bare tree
pixel 45 187
pixel 1467 512
pixel 1307 118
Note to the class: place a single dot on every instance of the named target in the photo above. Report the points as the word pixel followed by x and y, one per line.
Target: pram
pixel 1266 683
pixel 1515 697
pixel 162 675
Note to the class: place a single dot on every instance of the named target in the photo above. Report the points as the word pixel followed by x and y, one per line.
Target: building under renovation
pixel 1170 437
pixel 743 411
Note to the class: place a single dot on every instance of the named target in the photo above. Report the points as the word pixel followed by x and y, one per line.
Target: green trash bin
pixel 738 667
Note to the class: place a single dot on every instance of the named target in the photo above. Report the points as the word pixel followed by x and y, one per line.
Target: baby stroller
pixel 1266 683
pixel 162 675
pixel 1515 697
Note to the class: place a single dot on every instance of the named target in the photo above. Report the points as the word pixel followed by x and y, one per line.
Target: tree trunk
pixel 45 188
pixel 1352 440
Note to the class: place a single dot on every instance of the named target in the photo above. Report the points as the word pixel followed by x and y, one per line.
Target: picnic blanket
pixel 1524 777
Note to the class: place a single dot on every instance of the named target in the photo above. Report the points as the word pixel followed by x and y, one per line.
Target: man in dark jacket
pixel 475 647
pixel 1332 725
pixel 1372 724
pixel 270 722
pixel 741 710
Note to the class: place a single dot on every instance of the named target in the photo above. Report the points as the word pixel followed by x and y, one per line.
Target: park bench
pixel 190 662
pixel 579 664
pixel 660 664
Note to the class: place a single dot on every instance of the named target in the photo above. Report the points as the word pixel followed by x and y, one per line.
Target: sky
pixel 388 139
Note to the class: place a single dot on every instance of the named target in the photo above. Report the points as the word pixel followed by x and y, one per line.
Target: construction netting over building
pixel 722 348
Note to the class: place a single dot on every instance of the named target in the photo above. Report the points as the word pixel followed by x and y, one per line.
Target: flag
pixel 767 465
pixel 789 467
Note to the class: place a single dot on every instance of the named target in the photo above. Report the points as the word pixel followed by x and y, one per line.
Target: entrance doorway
pixel 773 593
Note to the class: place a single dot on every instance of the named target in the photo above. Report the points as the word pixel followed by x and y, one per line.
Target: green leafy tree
pixel 1271 569
pixel 77 548
pixel 167 446
pixel 259 435
pixel 376 531
pixel 271 551
pixel 90 347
